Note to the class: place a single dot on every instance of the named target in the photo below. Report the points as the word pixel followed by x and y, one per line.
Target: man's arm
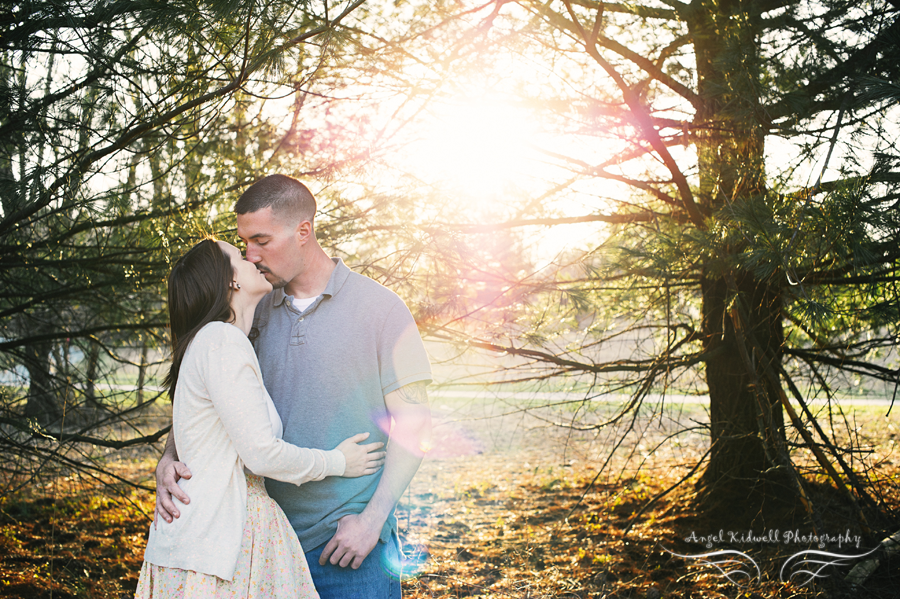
pixel 168 472
pixel 357 535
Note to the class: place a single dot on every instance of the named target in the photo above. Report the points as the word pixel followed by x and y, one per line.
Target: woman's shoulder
pixel 221 334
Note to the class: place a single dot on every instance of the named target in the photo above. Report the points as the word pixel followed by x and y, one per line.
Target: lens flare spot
pixel 448 439
pixel 452 440
pixel 408 565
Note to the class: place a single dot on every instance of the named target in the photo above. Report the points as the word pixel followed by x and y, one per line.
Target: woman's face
pixel 251 280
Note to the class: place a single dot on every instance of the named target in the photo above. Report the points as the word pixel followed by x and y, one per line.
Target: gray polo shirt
pixel 327 370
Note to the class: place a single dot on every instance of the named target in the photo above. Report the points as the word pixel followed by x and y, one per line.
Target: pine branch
pixel 77 438
pixel 645 124
pixel 91 225
pixel 859 63
pixel 85 332
pixel 638 10
pixel 645 64
pixel 869 369
pixel 30 113
pixel 130 135
pixel 604 367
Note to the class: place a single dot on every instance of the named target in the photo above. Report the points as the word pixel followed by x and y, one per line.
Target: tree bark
pixel 142 371
pixel 748 461
pixel 43 402
pixel 747 423
pixel 93 362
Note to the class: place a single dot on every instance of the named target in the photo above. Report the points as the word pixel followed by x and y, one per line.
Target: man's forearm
pixel 357 535
pixel 170 452
pixel 168 472
pixel 410 440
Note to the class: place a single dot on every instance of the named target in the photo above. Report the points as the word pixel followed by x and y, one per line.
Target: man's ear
pixel 304 231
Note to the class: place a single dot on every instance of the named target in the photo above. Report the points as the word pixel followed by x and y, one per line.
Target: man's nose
pixel 251 255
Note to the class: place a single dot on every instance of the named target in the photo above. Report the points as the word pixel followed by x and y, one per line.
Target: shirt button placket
pixel 300 330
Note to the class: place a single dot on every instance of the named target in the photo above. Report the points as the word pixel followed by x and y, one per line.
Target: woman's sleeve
pixel 235 387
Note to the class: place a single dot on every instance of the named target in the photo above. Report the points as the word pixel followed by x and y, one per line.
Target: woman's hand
pixel 361 459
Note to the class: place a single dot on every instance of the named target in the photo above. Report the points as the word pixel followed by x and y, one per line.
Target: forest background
pixel 598 213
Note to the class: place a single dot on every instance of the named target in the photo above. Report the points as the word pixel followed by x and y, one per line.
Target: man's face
pixel 272 245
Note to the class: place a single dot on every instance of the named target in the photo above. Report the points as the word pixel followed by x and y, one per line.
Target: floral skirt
pixel 271 563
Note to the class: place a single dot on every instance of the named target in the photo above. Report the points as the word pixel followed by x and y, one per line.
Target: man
pixel 340 354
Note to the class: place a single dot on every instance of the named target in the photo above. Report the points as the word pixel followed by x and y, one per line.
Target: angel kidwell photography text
pixel 775 536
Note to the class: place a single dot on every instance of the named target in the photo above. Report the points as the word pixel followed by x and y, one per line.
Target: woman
pixel 231 540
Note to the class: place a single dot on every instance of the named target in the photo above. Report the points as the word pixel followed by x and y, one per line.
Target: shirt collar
pixel 335 282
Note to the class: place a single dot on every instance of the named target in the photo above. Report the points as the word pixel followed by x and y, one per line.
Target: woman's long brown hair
pixel 199 293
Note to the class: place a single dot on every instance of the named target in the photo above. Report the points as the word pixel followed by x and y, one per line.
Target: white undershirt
pixel 303 303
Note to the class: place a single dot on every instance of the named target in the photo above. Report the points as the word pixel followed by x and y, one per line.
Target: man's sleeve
pixel 401 352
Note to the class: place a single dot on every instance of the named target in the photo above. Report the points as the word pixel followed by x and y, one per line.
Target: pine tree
pixel 125 129
pixel 767 287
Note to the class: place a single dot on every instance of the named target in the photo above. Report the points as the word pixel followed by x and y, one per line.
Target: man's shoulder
pixel 373 290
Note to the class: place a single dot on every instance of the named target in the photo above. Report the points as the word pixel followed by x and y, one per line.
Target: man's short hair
pixel 290 200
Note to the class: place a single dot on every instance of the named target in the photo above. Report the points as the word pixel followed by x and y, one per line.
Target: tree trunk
pixel 747 423
pixel 43 402
pixel 749 469
pixel 142 372
pixel 93 362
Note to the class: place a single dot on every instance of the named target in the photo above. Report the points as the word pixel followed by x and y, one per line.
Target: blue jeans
pixel 377 578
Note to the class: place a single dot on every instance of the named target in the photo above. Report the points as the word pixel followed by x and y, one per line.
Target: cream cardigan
pixel 222 424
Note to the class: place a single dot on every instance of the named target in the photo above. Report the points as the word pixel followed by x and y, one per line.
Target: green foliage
pixel 126 131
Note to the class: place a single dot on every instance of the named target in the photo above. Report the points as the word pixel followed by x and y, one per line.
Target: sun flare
pixel 488 157
pixel 477 148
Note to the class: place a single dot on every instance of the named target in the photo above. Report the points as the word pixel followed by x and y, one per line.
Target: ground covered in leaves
pixel 66 539
pixel 500 509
